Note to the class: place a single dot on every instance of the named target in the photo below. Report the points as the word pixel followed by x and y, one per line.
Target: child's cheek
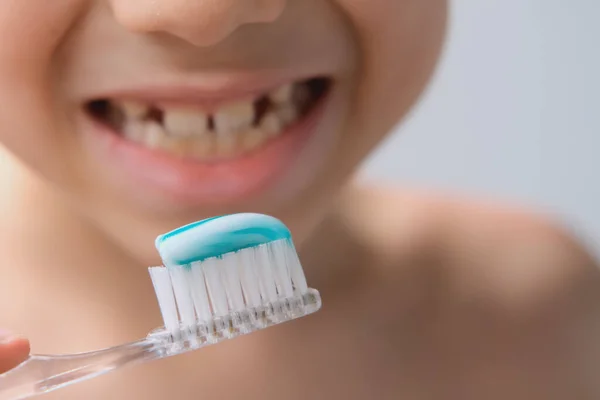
pixel 400 42
pixel 30 34
pixel 30 31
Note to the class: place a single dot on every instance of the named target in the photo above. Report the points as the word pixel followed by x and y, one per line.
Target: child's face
pixel 128 106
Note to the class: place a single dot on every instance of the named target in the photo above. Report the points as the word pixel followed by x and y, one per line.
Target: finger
pixel 13 351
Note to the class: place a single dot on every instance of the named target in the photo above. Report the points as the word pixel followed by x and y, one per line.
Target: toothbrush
pixel 221 278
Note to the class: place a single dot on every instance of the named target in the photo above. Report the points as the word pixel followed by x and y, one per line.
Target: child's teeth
pixel 154 135
pixel 184 123
pixel 175 146
pixel 234 117
pixel 225 133
pixel 282 95
pixel 201 146
pixel 254 138
pixel 134 110
pixel 226 144
pixel 134 130
pixel 270 124
pixel 301 96
pixel 287 114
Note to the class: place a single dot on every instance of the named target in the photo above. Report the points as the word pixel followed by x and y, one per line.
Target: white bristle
pixel 166 300
pixel 183 295
pixel 296 272
pixel 216 289
pixel 266 277
pixel 199 294
pixel 249 278
pixel 232 283
pixel 281 272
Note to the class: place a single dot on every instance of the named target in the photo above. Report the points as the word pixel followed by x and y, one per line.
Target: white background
pixel 512 111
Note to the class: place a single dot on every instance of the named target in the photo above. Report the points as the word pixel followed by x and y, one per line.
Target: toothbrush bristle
pixel 256 286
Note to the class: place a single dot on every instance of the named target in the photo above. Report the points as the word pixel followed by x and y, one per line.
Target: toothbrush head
pixel 228 276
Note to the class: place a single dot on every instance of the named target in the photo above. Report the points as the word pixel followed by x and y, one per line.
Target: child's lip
pixel 192 182
pixel 210 91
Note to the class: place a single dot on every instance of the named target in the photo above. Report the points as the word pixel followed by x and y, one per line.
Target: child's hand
pixel 13 350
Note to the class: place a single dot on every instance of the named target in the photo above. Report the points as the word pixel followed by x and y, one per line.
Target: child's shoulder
pixel 466 248
pixel 462 235
pixel 471 275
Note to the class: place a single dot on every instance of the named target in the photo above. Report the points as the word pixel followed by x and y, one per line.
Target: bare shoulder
pixel 500 293
pixel 482 240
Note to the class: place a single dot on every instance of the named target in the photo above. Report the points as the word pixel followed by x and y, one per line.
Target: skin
pixel 426 296
pixel 13 351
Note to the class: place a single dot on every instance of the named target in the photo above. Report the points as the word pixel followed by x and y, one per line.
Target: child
pixel 123 119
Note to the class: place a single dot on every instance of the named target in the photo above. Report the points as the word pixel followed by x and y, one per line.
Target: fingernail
pixel 6 336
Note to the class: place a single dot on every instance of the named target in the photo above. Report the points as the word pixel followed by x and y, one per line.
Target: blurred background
pixel 512 112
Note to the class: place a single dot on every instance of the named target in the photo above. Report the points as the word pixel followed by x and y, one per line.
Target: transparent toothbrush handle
pixel 40 374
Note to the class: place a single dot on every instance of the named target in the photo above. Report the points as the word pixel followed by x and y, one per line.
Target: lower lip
pixel 191 181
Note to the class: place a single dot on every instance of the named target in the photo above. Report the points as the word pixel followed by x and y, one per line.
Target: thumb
pixel 14 350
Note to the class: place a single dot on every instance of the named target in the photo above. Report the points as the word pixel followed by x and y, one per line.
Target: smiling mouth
pixel 230 130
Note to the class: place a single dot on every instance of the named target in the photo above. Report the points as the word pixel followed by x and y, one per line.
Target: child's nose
pixel 200 22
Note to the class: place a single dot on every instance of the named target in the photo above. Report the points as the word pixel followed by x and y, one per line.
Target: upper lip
pixel 210 90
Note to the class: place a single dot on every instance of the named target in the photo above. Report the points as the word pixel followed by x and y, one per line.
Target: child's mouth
pixel 198 145
pixel 225 131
